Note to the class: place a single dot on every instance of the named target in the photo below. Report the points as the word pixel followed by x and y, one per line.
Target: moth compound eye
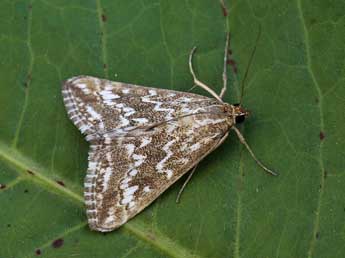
pixel 240 119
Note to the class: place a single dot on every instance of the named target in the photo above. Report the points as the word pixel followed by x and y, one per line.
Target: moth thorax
pixel 239 113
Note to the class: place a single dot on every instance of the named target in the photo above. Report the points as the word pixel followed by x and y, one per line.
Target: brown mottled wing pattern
pixel 142 141
pixel 98 106
pixel 127 174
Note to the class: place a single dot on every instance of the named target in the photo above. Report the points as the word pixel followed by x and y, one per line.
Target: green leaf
pixel 295 91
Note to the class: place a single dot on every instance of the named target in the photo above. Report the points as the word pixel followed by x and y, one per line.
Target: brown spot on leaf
pixel 57 243
pixel 313 21
pixel 2 186
pixel 231 62
pixel 233 65
pixel 151 236
pixel 30 172
pixel 322 135
pixel 8 225
pixel 105 66
pixel 26 191
pixel 104 18
pixel 30 7
pixel 28 80
pixel 325 174
pixel 317 235
pixel 224 10
pixel 38 252
pixel 60 182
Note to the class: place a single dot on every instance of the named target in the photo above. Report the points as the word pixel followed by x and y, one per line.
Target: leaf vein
pixel 322 126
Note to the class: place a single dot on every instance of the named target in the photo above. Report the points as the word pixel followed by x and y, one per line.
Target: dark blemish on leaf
pixel 317 235
pixel 322 135
pixel 38 252
pixel 104 18
pixel 230 61
pixel 317 100
pixel 26 191
pixel 313 21
pixel 151 236
pixel 30 172
pixel 60 182
pixel 2 186
pixel 28 80
pixel 105 66
pixel 30 7
pixel 57 243
pixel 8 225
pixel 233 65
pixel 325 174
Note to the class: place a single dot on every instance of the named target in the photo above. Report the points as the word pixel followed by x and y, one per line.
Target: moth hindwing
pixel 141 141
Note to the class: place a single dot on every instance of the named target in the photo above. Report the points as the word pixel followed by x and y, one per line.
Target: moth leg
pixel 243 141
pixel 225 76
pixel 185 184
pixel 199 83
pixel 192 172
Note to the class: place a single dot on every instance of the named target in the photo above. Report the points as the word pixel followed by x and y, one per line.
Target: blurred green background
pixel 295 92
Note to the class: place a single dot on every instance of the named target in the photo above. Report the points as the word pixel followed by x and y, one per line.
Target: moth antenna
pixel 249 64
pixel 199 83
pixel 225 60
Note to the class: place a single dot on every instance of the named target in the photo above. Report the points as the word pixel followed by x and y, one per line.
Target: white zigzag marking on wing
pixel 160 165
pixel 140 120
pixel 95 116
pixel 111 218
pixel 139 159
pixel 191 133
pixel 158 104
pixel 129 194
pixel 108 171
pixel 129 111
pixel 130 149
pixel 84 88
pixel 108 97
pixel 147 189
pixel 195 146
pixel 145 141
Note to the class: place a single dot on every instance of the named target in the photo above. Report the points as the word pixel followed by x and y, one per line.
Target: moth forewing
pixel 130 167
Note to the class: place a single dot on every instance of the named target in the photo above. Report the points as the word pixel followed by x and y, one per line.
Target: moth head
pixel 239 113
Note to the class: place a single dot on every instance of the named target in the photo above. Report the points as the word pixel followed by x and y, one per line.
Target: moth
pixel 144 139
